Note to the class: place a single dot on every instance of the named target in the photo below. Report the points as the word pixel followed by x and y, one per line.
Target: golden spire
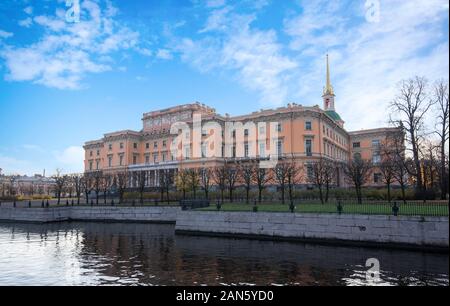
pixel 328 90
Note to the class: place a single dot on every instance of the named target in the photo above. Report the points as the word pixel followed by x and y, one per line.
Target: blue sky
pixel 63 83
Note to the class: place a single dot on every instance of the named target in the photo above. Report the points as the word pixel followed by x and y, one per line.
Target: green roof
pixel 335 116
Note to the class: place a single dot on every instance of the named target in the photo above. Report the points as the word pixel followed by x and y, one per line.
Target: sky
pixel 63 83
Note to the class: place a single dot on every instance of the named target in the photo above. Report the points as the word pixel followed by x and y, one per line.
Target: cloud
pixel 28 10
pixel 215 3
pixel 255 56
pixel 27 22
pixel 70 159
pixel 67 52
pixel 368 59
pixel 13 165
pixel 4 34
pixel 164 54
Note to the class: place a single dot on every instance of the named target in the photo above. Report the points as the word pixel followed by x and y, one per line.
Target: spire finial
pixel 328 90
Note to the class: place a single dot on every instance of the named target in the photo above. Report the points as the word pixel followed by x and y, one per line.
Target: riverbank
pixel 404 232
pixel 85 213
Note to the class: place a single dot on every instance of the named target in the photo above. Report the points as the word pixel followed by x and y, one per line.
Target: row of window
pixel 333 135
pixel 376 143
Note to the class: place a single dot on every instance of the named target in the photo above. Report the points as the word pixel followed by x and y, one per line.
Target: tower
pixel 328 99
pixel 328 92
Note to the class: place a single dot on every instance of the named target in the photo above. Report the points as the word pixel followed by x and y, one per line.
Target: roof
pixel 335 116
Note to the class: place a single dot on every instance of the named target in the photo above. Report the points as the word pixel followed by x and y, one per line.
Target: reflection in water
pixel 149 254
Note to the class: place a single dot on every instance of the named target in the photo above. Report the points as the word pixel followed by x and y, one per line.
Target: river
pixel 79 253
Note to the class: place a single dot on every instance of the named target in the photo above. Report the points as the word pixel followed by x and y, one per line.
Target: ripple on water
pixel 149 254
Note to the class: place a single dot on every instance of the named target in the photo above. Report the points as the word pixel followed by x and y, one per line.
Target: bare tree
pixel 183 181
pixel 97 180
pixel 231 175
pixel 121 181
pixel 194 181
pixel 60 183
pixel 411 105
pixel 281 175
pixel 106 183
pixel 357 172
pixel 261 177
pixel 442 131
pixel 220 179
pixel 246 173
pixel 322 177
pixel 387 165
pixel 77 180
pixel 165 181
pixel 87 185
pixel 294 176
pixel 141 179
pixel 205 176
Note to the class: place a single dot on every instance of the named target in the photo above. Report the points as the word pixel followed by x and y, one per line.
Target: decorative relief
pixel 155 122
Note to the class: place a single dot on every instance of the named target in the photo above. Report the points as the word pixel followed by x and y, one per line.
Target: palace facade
pixel 304 134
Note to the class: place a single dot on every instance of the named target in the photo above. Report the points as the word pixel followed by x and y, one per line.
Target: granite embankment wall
pixel 401 231
pixel 361 230
pixel 81 213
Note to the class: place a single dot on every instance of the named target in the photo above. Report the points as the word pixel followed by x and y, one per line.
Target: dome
pixel 333 115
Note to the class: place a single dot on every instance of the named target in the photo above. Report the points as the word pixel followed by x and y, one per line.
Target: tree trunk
pixel 389 191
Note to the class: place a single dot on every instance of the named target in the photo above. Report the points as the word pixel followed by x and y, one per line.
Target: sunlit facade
pixel 304 134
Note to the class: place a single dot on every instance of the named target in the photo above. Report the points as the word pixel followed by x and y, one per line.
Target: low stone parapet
pixel 402 231
pixel 85 213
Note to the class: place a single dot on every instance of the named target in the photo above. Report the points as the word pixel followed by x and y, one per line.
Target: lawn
pixel 412 209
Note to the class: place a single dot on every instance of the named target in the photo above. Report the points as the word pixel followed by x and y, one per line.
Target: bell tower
pixel 328 92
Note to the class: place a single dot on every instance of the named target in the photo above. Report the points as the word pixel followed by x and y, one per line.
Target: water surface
pixel 150 254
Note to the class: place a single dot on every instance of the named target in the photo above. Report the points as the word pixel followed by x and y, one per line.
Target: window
pixel 147 145
pixel 308 126
pixel 110 161
pixel 135 145
pixel 155 145
pixel 90 165
pixel 187 152
pixel 310 172
pixel 97 165
pixel 147 159
pixel 155 157
pixel 279 128
pixel 262 149
pixel 121 145
pixel 246 132
pixel 98 152
pixel 110 147
pixel 90 153
pixel 279 147
pixel 164 157
pixel 376 158
pixel 120 160
pixel 262 129
pixel 246 150
pixel 308 147
pixel 204 133
pixel 375 143
pixel 377 178
pixel 234 151
pixel 203 150
pixel 164 143
pixel 134 159
pixel 356 145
